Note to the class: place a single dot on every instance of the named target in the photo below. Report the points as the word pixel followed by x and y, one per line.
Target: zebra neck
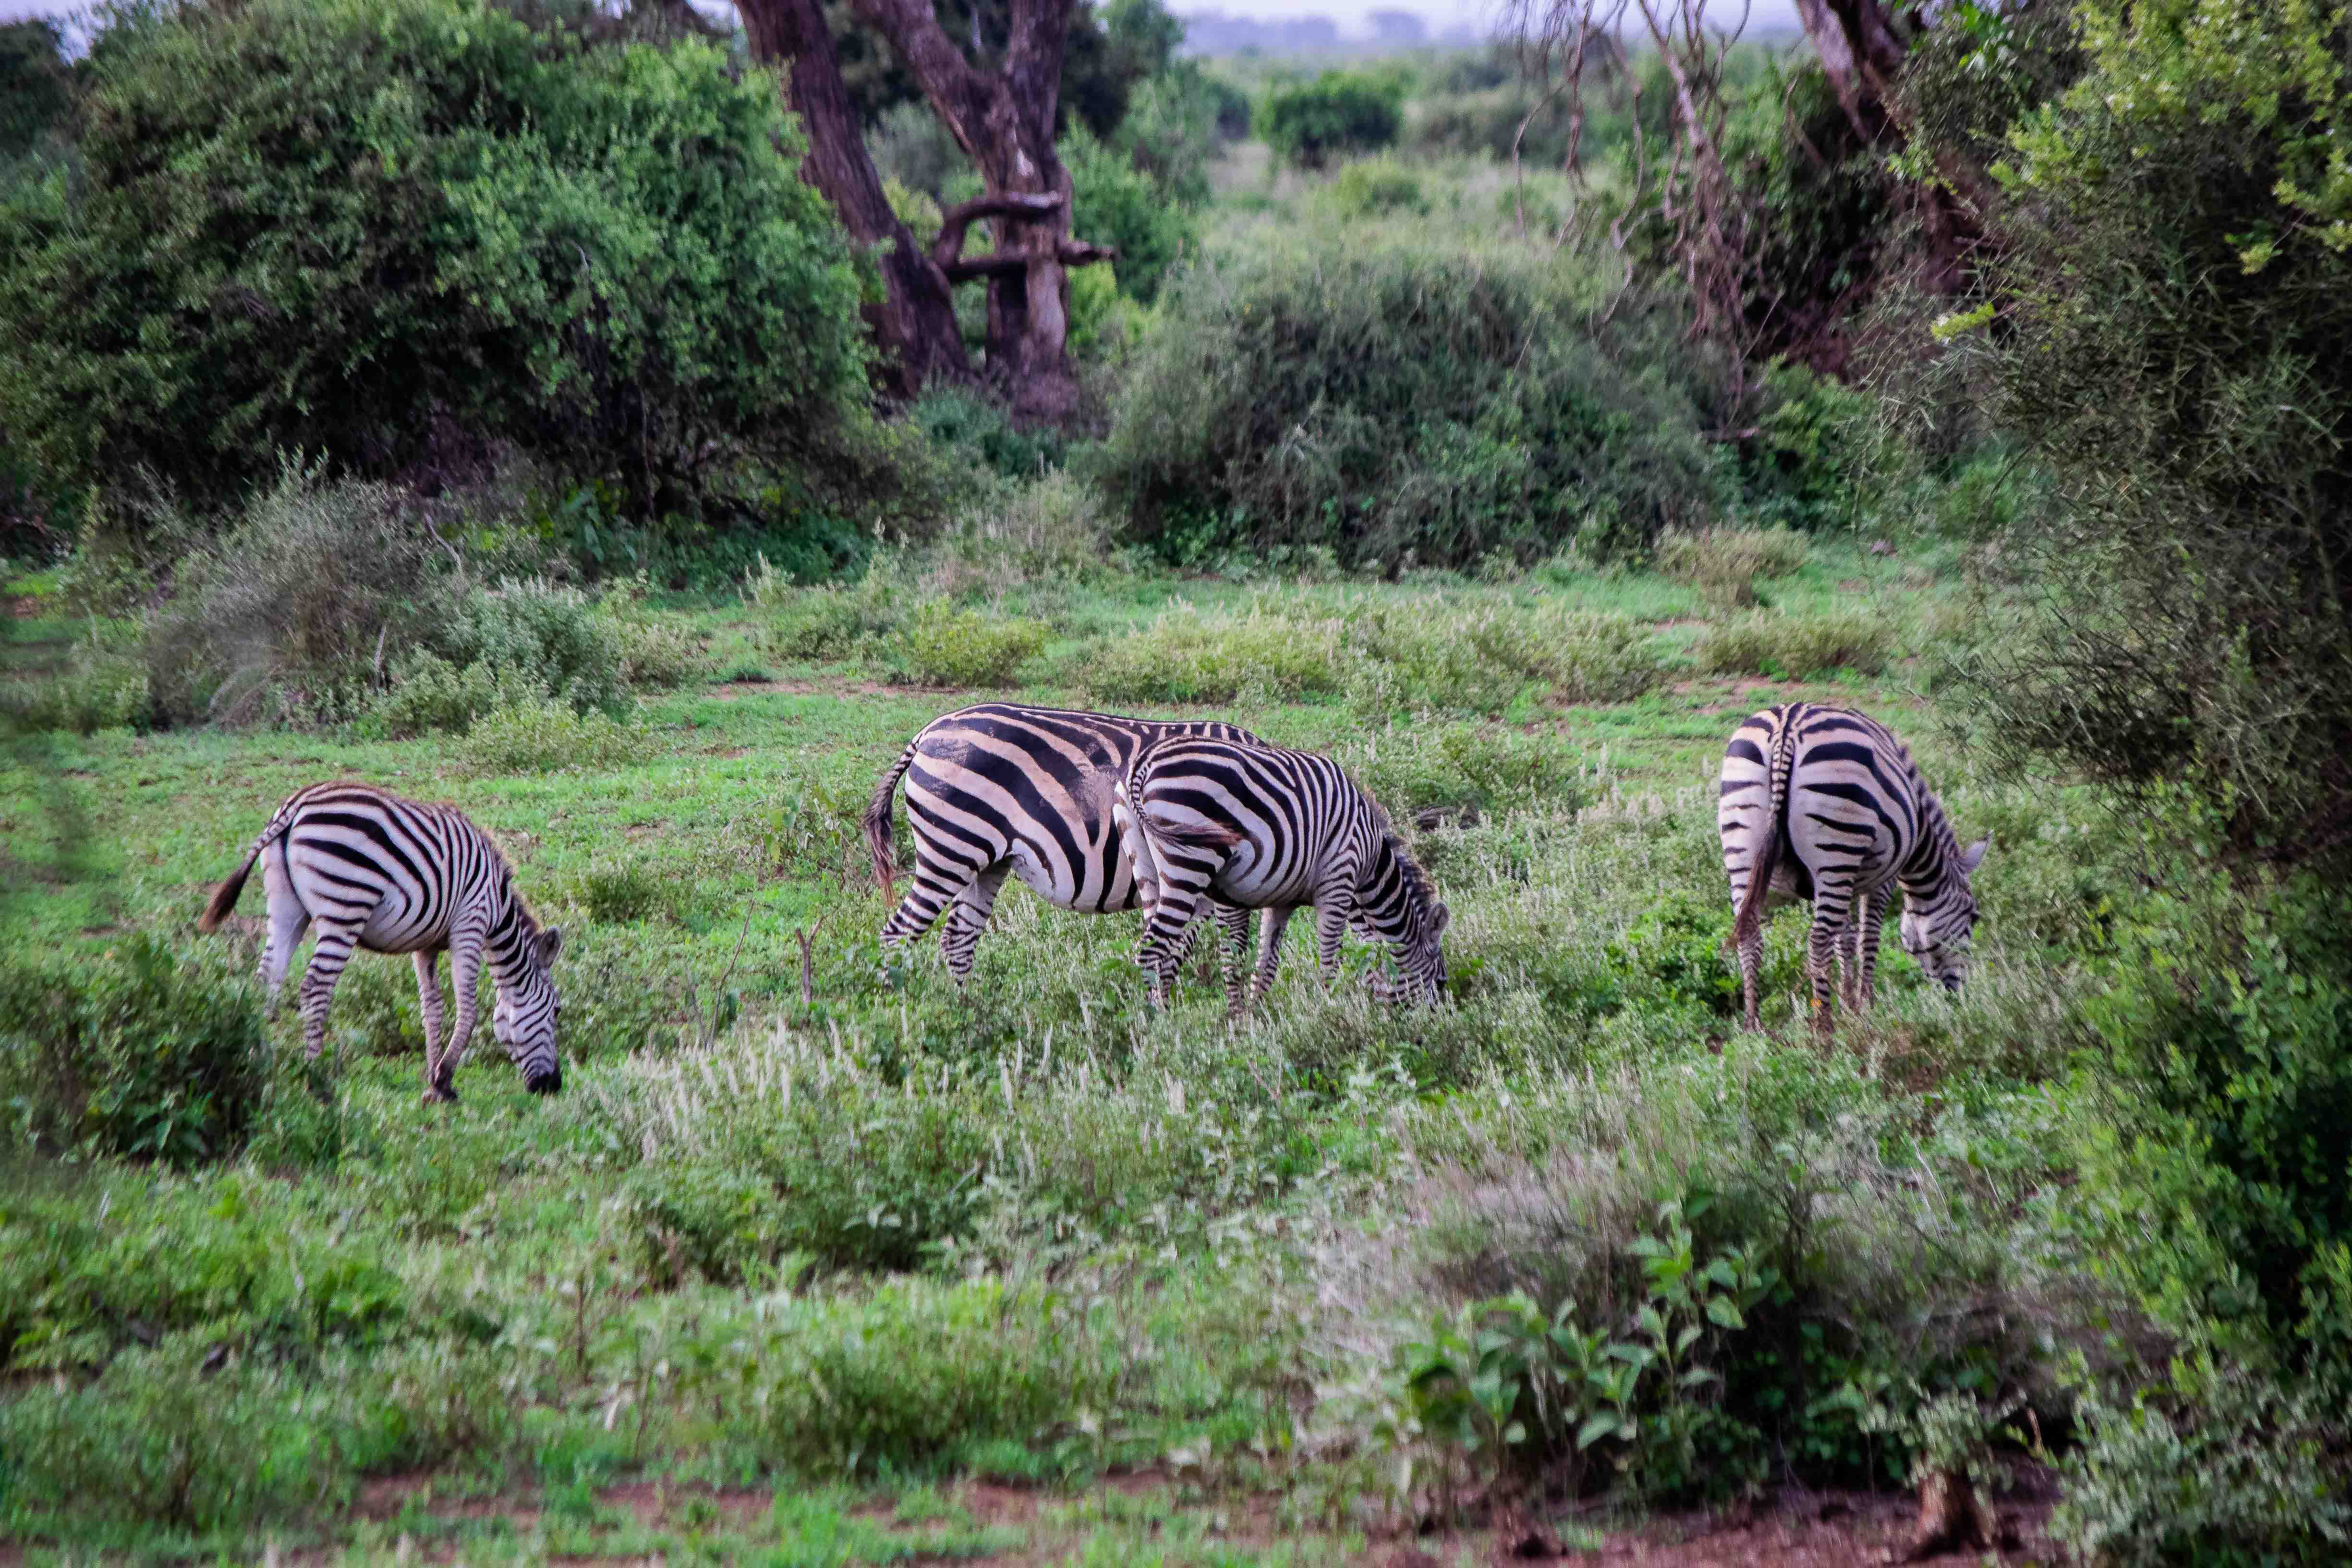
pixel 1936 858
pixel 506 944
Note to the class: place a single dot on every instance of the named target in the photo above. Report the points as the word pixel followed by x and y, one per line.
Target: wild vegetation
pixel 528 448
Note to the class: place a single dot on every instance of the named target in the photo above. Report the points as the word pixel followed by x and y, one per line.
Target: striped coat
pixel 369 870
pixel 1825 805
pixel 998 789
pixel 1267 829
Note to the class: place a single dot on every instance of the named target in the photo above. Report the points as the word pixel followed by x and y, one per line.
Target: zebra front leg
pixel 1871 932
pixel 327 960
pixel 1851 986
pixel 1184 880
pixel 1330 930
pixel 428 1003
pixel 1232 956
pixel 464 968
pixel 1269 949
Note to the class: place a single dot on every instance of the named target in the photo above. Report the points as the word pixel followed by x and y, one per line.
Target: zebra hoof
pixel 546 1083
pixel 439 1094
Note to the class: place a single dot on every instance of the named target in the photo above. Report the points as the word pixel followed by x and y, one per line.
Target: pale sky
pixel 1350 14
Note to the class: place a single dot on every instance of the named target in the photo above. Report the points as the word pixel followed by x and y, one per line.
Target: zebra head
pixel 1403 911
pixel 524 1019
pixel 1938 922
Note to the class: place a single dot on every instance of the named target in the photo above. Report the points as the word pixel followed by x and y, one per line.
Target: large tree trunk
pixel 1861 45
pixel 915 323
pixel 1004 121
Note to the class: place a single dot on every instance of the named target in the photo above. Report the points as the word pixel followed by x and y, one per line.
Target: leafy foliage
pixel 139 1054
pixel 2178 279
pixel 1407 400
pixel 1338 113
pixel 485 235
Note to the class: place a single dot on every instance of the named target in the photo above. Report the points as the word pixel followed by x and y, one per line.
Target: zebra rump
pixel 1823 804
pixel 999 789
pixel 371 870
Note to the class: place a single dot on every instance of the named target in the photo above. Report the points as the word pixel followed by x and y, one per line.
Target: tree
pixel 1004 117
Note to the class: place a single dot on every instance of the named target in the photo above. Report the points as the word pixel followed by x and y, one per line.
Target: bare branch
pixel 948 245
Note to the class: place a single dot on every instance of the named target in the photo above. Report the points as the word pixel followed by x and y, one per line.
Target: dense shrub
pixel 1338 113
pixel 2176 279
pixel 1405 400
pixel 1114 203
pixel 1791 646
pixel 293 614
pixel 975 432
pixel 379 230
pixel 939 645
pixel 533 735
pixel 137 1054
pixel 2213 1187
pixel 1373 187
pixel 1724 563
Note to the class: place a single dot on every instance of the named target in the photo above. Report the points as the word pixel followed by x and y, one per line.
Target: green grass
pixel 1037 1230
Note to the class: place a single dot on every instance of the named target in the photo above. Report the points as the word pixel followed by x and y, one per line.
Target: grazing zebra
pixel 996 788
pixel 370 869
pixel 1825 805
pixel 1271 829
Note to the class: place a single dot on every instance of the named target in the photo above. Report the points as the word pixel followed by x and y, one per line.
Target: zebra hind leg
pixel 967 917
pixel 288 921
pixel 327 960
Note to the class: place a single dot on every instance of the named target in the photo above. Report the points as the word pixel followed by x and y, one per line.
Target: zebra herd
pixel 1098 813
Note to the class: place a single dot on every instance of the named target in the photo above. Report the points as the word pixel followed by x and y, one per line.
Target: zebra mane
pixel 1417 885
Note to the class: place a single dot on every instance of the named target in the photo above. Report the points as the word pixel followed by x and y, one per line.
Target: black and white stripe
pixel 368 869
pixel 1825 804
pixel 1267 829
pixel 996 789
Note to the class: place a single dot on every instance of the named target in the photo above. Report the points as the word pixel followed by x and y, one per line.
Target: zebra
pixel 370 869
pixel 1273 829
pixel 1822 803
pixel 998 788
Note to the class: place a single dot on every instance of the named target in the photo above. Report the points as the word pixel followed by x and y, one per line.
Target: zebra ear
pixel 551 942
pixel 1973 856
pixel 1440 919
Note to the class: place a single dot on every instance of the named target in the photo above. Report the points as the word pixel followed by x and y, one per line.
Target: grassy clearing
pixel 1036 1233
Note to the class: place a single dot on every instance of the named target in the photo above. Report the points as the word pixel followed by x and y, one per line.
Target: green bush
pixel 1374 187
pixel 103 686
pixel 976 432
pixel 1338 113
pixel 2222 1193
pixel 556 636
pixel 1408 401
pixel 920 1371
pixel 2175 275
pixel 136 1053
pixel 1114 203
pixel 291 615
pixel 537 736
pixel 383 231
pixel 1191 655
pixel 1724 563
pixel 939 645
pixel 1789 646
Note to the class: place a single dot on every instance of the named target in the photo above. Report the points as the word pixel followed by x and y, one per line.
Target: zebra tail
pixel 1210 833
pixel 224 896
pixel 877 823
pixel 1749 921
